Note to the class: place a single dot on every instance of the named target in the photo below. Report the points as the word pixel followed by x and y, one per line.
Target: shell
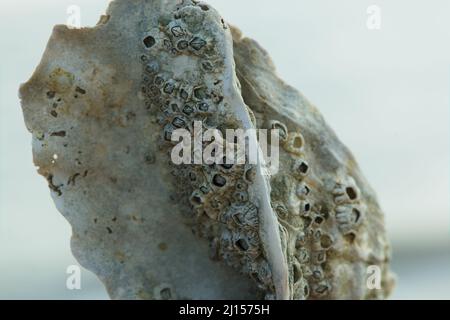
pixel 107 101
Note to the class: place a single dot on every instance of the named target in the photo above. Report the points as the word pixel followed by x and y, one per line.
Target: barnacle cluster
pixel 218 193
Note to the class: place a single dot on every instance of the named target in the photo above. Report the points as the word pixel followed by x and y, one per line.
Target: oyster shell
pixel 102 107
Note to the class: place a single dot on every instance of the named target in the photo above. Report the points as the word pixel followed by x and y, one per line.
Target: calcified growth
pixel 102 107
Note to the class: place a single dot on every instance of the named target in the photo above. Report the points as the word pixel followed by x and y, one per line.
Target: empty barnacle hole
pixel 188 110
pixel 238 218
pixel 203 6
pixel 350 237
pixel 203 107
pixel 250 174
pixel 196 199
pixel 149 41
pixel 241 196
pixel 224 24
pixel 144 58
pixel 174 107
pixel 51 94
pixel 200 93
pixel 163 292
pixel 295 143
pixel 177 31
pixel 226 163
pixel 281 127
pixel 319 219
pixel 61 133
pixel 226 166
pixel 300 169
pixel 326 241
pixel 241 186
pixel 351 193
pixel 197 43
pixel 306 207
pixel 182 45
pixel 242 244
pixel 80 90
pixel 316 234
pixel 169 87
pixel 303 168
pixel 219 181
pixel 184 94
pixel 317 273
pixel 303 190
pixel 356 215
pixel 152 68
pixel 179 122
pixel 168 131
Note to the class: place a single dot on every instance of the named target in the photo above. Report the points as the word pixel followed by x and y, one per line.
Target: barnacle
pixel 230 231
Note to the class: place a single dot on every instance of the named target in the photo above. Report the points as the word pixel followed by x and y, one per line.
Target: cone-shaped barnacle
pixel 155 72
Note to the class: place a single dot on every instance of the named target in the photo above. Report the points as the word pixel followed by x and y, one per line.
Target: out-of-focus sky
pixel 385 92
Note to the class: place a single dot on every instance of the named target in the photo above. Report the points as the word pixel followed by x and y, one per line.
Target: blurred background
pixel 384 91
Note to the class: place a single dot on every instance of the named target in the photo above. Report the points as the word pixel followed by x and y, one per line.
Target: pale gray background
pixel 386 93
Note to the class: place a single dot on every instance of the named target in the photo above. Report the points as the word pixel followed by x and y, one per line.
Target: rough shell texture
pixel 102 106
